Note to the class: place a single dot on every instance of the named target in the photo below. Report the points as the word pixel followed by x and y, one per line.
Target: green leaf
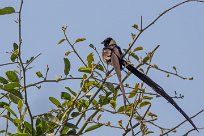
pixel 11 88
pixel 100 67
pixel 55 101
pixel 86 103
pixel 7 10
pixel 120 123
pixel 134 56
pixel 70 90
pixel 62 40
pixel 14 55
pixel 2 104
pixel 80 40
pixel 20 105
pixel 121 109
pixel 113 103
pixel 30 60
pixel 93 127
pixel 12 85
pixel 39 74
pixel 3 80
pixel 67 53
pixel 90 59
pixel 2 131
pixel 99 116
pixel 52 119
pixel 75 114
pixel 110 86
pixel 65 95
pixel 24 113
pixel 135 26
pixel 70 125
pixel 39 126
pixel 14 98
pixel 147 97
pixel 64 131
pixel 142 104
pixel 155 66
pixel 84 69
pixel 149 132
pixel 145 59
pixel 66 66
pixel 10 110
pixel 72 132
pixel 134 91
pixel 84 77
pixel 104 100
pixel 12 76
pixel 151 114
pixel 92 46
pixel 90 83
pixel 16 121
pixel 138 48
pixel 175 69
pixel 15 46
pixel 95 103
pixel 28 126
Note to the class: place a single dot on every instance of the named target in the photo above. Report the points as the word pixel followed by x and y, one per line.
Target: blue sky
pixel 180 34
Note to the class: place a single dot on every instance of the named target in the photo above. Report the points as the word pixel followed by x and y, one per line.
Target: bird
pixel 112 55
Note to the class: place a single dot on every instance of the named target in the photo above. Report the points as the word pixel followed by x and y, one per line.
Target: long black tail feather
pixel 158 89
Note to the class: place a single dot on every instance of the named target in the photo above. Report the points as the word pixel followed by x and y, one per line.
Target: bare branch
pixel 182 123
pixel 155 20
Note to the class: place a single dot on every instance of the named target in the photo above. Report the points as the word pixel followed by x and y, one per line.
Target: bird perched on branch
pixel 112 54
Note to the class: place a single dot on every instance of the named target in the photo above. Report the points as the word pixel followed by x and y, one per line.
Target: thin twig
pixel 167 72
pixel 166 11
pixel 93 97
pixel 32 60
pixel 23 69
pixel 155 20
pixel 132 113
pixel 7 125
pixel 105 124
pixel 77 97
pixel 54 81
pixel 186 134
pixel 139 65
pixel 72 46
pixel 10 63
pixel 87 122
pixel 137 124
pixel 100 58
pixel 182 123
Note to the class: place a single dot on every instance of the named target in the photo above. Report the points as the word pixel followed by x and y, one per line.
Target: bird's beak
pixel 102 42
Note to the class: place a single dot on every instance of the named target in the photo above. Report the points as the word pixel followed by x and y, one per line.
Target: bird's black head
pixel 107 41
